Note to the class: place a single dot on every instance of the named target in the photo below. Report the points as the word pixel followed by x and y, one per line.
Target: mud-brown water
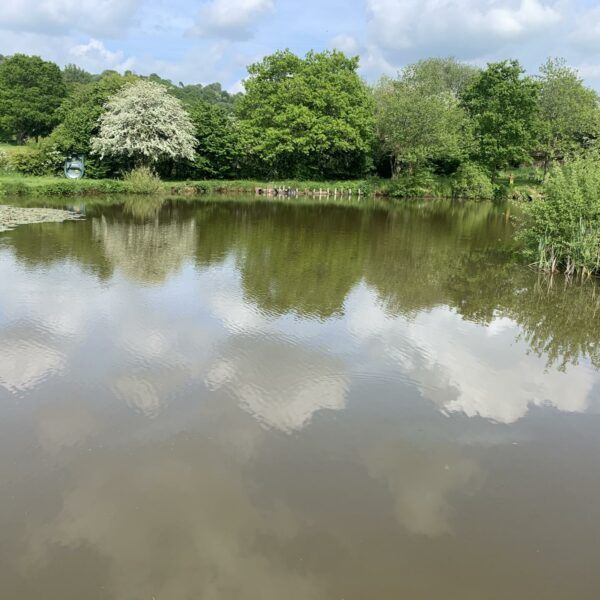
pixel 238 400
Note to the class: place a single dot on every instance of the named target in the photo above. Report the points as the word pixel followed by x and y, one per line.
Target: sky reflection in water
pixel 238 400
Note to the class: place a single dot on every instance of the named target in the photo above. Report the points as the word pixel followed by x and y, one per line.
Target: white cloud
pixel 231 19
pixel 96 57
pixel 466 28
pixel 346 43
pixel 56 17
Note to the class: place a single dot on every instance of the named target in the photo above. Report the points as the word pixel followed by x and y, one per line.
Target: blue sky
pixel 213 40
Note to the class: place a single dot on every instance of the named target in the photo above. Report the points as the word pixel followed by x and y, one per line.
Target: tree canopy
pixel 145 124
pixel 307 117
pixel 31 91
pixel 218 145
pixel 570 116
pixel 503 106
pixel 419 117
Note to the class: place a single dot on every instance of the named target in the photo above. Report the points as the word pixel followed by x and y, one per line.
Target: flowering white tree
pixel 145 124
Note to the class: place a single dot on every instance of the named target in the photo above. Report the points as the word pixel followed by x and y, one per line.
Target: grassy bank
pixel 429 187
pixel 13 185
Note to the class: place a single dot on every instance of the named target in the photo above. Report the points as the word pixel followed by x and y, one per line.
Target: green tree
pixel 217 141
pixel 144 125
pixel 439 75
pixel 570 113
pixel 308 117
pixel 74 75
pixel 419 120
pixel 31 91
pixel 503 105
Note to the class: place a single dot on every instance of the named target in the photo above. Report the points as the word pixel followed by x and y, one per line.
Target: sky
pixel 201 41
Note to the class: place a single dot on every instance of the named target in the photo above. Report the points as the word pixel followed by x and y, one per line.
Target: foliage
pixel 80 114
pixel 309 117
pixel 142 180
pixel 218 145
pixel 440 75
pixel 213 93
pixel 471 181
pixel 419 119
pixel 144 124
pixel 4 163
pixel 34 160
pixel 31 90
pixel 74 75
pixel 503 106
pixel 569 111
pixel 421 183
pixel 561 229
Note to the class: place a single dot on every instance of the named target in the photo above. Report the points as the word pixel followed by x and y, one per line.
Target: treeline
pixel 305 118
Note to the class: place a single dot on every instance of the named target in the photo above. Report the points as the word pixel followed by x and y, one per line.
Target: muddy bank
pixel 12 216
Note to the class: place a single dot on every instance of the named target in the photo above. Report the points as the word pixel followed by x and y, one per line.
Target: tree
pixel 74 75
pixel 144 124
pixel 439 75
pixel 218 145
pixel 307 117
pixel 31 90
pixel 419 120
pixel 569 111
pixel 79 116
pixel 503 106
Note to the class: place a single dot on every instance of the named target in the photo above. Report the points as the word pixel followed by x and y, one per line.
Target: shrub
pixel 561 229
pixel 40 159
pixel 414 185
pixel 4 167
pixel 27 161
pixel 472 181
pixel 142 180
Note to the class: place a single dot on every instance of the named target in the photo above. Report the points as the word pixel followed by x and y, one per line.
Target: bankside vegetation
pixel 439 128
pixel 561 229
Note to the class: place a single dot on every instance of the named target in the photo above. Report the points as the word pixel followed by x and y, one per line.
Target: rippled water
pixel 238 400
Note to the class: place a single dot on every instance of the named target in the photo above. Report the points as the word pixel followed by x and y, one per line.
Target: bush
pixel 561 229
pixel 142 180
pixel 472 181
pixel 40 159
pixel 3 161
pixel 418 184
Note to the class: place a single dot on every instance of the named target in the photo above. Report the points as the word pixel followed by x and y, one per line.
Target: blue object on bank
pixel 75 166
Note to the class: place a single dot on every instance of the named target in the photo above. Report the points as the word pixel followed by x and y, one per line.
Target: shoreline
pixel 352 190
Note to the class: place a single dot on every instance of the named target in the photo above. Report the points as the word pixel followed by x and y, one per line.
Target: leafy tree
pixel 144 124
pixel 503 105
pixel 212 93
pixel 419 120
pixel 569 111
pixel 439 75
pixel 31 90
pixel 74 75
pixel 218 145
pixel 80 114
pixel 308 117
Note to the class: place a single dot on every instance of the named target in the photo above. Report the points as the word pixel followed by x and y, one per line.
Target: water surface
pixel 239 400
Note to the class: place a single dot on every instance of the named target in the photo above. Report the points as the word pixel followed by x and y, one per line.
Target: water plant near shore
pixel 561 229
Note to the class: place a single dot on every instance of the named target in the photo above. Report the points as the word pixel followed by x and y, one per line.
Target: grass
pixel 16 185
pixel 430 187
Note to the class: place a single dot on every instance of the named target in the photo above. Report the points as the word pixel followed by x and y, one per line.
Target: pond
pixel 228 399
